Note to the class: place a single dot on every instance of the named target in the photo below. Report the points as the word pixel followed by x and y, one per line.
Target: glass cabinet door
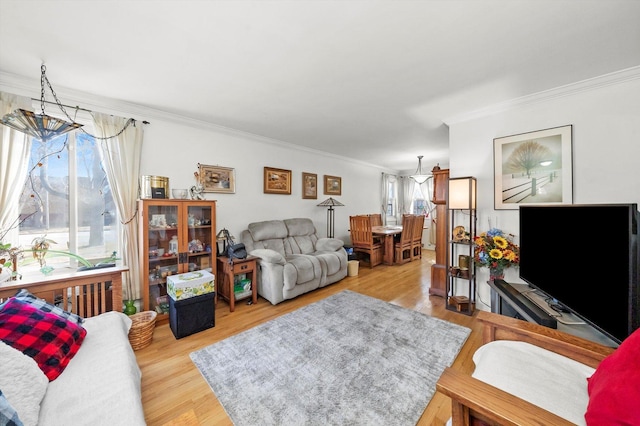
pixel 200 237
pixel 163 242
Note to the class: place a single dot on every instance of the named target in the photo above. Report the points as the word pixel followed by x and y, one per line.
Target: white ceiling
pixel 370 80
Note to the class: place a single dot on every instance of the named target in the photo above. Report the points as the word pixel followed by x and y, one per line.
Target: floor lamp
pixel 330 219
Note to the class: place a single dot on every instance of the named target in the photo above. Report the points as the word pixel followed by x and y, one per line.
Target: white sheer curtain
pixel 14 161
pixel 407 186
pixel 121 156
pixel 384 194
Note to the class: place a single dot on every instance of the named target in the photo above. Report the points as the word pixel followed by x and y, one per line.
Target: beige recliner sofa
pixel 292 258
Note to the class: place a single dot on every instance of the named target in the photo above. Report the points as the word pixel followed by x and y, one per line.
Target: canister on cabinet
pixel 154 187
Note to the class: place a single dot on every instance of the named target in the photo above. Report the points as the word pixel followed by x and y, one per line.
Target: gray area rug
pixel 348 359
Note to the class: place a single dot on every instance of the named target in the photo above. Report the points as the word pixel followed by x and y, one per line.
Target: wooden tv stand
pixel 509 299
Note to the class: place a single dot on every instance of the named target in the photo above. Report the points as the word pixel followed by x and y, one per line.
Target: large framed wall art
pixel 533 168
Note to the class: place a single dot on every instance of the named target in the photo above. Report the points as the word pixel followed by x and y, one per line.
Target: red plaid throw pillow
pixel 43 305
pixel 44 336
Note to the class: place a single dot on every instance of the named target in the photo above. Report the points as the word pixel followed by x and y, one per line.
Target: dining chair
pixel 416 236
pixel 362 239
pixel 402 248
pixel 376 219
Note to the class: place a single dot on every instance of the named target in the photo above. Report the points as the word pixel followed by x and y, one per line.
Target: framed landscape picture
pixel 277 181
pixel 533 168
pixel 217 179
pixel 332 185
pixel 309 186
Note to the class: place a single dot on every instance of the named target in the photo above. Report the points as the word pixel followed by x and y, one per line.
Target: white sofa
pixel 101 385
pixel 292 259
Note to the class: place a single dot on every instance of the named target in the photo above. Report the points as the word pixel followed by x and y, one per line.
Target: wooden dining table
pixel 387 231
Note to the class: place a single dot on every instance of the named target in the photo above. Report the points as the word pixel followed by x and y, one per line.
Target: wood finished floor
pixel 174 392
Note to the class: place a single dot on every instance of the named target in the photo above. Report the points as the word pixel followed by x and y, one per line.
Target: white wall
pixel 174 145
pixel 606 154
pixel 174 150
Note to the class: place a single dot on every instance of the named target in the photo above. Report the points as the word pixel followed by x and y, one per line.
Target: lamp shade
pixel 39 126
pixel 330 202
pixel 462 193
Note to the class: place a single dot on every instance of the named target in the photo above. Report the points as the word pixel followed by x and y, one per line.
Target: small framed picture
pixel 309 186
pixel 277 181
pixel 159 220
pixel 217 179
pixel 332 185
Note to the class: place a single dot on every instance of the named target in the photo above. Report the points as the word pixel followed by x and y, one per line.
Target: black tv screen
pixel 585 257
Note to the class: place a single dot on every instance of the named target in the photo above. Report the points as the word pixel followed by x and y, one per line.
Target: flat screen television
pixel 586 259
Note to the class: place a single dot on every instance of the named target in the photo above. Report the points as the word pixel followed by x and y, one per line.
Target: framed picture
pixel 533 168
pixel 277 181
pixel 159 220
pixel 217 179
pixel 309 186
pixel 332 185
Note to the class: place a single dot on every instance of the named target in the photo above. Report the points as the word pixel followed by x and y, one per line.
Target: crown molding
pixel 590 84
pixel 29 87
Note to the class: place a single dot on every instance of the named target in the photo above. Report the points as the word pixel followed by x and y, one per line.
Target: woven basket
pixel 141 332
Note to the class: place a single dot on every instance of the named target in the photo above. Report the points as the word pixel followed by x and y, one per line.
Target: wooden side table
pixel 228 270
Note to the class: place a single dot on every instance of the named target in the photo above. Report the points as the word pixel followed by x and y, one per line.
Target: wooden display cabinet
pixel 176 236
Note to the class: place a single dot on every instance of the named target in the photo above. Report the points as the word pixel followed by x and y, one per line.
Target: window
pixel 67 200
pixel 392 198
pixel 421 202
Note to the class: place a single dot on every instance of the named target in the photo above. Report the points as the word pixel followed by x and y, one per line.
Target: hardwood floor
pixel 174 392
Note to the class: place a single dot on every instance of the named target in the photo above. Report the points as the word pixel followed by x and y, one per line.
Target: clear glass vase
pixel 496 273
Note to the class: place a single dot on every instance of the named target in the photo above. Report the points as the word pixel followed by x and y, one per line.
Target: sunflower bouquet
pixel 495 250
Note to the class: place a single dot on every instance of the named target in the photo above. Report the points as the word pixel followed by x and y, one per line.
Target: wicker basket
pixel 141 332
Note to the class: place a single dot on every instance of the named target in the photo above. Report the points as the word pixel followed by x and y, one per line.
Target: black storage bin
pixel 189 316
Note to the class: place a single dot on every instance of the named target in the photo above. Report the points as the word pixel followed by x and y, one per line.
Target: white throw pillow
pixel 551 381
pixel 23 383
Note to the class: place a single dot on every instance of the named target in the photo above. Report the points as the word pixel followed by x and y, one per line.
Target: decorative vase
pixel 496 273
pixel 129 307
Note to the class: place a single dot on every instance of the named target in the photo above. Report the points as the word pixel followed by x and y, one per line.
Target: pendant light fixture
pixel 419 176
pixel 39 126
